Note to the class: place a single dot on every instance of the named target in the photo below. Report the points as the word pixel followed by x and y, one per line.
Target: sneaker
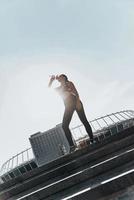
pixel 92 141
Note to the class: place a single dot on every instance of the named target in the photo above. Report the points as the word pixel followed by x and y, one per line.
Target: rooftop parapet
pixel 103 127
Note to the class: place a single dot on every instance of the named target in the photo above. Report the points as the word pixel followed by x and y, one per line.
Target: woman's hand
pixel 51 80
pixel 56 77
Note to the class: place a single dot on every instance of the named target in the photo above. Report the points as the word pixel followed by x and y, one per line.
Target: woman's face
pixel 61 78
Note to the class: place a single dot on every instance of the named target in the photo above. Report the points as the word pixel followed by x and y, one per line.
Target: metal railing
pixel 18 159
pixel 112 123
pixel 102 124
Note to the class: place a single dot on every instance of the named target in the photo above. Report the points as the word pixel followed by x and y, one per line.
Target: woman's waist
pixel 67 94
pixel 70 100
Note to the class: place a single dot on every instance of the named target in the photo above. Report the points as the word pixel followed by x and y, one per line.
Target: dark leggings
pixel 70 107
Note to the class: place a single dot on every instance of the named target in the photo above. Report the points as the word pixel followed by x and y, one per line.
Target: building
pixel 103 170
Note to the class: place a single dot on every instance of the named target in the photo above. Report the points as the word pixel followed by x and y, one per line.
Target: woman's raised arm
pixel 51 80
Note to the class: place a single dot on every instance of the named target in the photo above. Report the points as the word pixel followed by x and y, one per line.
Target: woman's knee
pixel 64 126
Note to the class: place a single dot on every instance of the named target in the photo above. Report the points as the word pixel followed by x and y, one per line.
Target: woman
pixel 72 103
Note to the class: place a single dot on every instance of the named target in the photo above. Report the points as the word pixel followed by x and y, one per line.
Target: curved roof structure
pixel 102 127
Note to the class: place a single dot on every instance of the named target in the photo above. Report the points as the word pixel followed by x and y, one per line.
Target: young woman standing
pixel 72 103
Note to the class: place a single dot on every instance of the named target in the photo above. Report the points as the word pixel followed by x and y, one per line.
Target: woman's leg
pixel 83 118
pixel 65 124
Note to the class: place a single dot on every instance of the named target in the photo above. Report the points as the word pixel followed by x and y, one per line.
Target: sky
pixel 92 42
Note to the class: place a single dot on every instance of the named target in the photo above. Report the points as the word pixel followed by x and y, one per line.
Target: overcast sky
pixel 90 41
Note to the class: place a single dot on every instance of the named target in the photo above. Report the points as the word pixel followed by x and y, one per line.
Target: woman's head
pixel 62 78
